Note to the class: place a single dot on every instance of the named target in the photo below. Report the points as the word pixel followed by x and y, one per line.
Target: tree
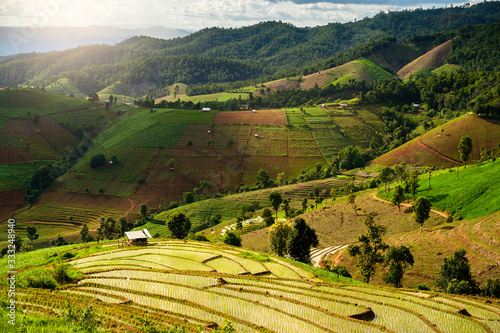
pixel 318 201
pixel 232 238
pixel 179 225
pixel 263 177
pixel 59 241
pixel 351 199
pixel 188 197
pixel 275 199
pixel 267 216
pixel 143 211
pixel 204 186
pixel 189 143
pixel 455 275
pixel 97 160
pixel 300 239
pixel 333 194
pixel 278 235
pixel 368 252
pixel 304 204
pixel 398 259
pixel 464 149
pixel 421 208
pixel 32 234
pixel 111 99
pixel 398 196
pixel 84 232
pixel 386 175
pixel 411 183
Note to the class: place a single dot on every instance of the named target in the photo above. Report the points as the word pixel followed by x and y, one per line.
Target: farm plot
pixel 260 117
pixel 326 142
pixel 271 297
pixel 353 126
pixel 164 135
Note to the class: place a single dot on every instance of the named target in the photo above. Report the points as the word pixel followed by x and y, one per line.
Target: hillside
pixel 193 285
pixel 438 147
pixel 155 166
pixel 433 59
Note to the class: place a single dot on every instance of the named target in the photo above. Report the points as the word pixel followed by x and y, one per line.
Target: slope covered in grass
pixel 438 147
pixel 18 102
pixel 475 193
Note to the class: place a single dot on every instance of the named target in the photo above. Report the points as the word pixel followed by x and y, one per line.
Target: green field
pixel 17 176
pixel 65 87
pixel 18 102
pixel 474 194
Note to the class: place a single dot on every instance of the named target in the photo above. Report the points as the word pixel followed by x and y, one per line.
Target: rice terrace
pixel 250 177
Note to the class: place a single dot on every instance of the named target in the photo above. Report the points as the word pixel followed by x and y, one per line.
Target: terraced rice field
pixel 195 284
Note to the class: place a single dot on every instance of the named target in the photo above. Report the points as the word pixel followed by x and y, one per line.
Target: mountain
pixel 21 40
pixel 214 55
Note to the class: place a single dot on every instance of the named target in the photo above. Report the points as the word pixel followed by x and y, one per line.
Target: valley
pixel 238 154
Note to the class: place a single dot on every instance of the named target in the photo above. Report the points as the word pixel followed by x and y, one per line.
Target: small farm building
pixel 138 237
pixel 206 110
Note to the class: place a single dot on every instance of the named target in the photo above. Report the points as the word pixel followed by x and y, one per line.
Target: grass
pixel 18 102
pixel 65 87
pixel 474 194
pixel 17 176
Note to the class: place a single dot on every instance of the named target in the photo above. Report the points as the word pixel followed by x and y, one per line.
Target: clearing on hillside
pixel 438 147
pixel 433 59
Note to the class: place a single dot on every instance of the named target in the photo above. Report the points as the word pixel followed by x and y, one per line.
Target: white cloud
pixel 189 14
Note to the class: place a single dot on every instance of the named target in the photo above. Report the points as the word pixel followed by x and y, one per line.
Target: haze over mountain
pixel 14 40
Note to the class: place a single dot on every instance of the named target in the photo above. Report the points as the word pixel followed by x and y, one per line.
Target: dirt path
pixel 374 196
pixel 436 152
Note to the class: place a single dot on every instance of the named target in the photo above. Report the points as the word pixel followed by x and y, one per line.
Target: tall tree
pixel 398 196
pixel 300 239
pixel 464 149
pixel 275 199
pixel 351 199
pixel 398 259
pixel 267 216
pixel 369 251
pixel 84 232
pixel 179 225
pixel 278 235
pixel 143 211
pixel 455 275
pixel 421 208
pixel 386 175
pixel 263 177
pixel 204 186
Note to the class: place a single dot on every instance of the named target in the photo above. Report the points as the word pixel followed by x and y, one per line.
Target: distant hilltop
pixel 20 40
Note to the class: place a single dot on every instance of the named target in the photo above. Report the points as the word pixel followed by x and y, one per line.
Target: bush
pixel 97 160
pixel 422 286
pixel 232 238
pixel 40 278
pixel 492 288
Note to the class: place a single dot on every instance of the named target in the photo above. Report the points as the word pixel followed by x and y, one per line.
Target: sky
pixel 193 15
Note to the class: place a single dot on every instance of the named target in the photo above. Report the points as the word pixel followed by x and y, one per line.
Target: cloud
pixel 194 14
pixel 369 2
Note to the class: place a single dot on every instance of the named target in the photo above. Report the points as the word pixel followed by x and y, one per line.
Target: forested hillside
pixel 272 49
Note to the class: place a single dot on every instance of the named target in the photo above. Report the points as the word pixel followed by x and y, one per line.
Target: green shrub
pixel 232 238
pixel 422 286
pixel 39 278
pixel 97 160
